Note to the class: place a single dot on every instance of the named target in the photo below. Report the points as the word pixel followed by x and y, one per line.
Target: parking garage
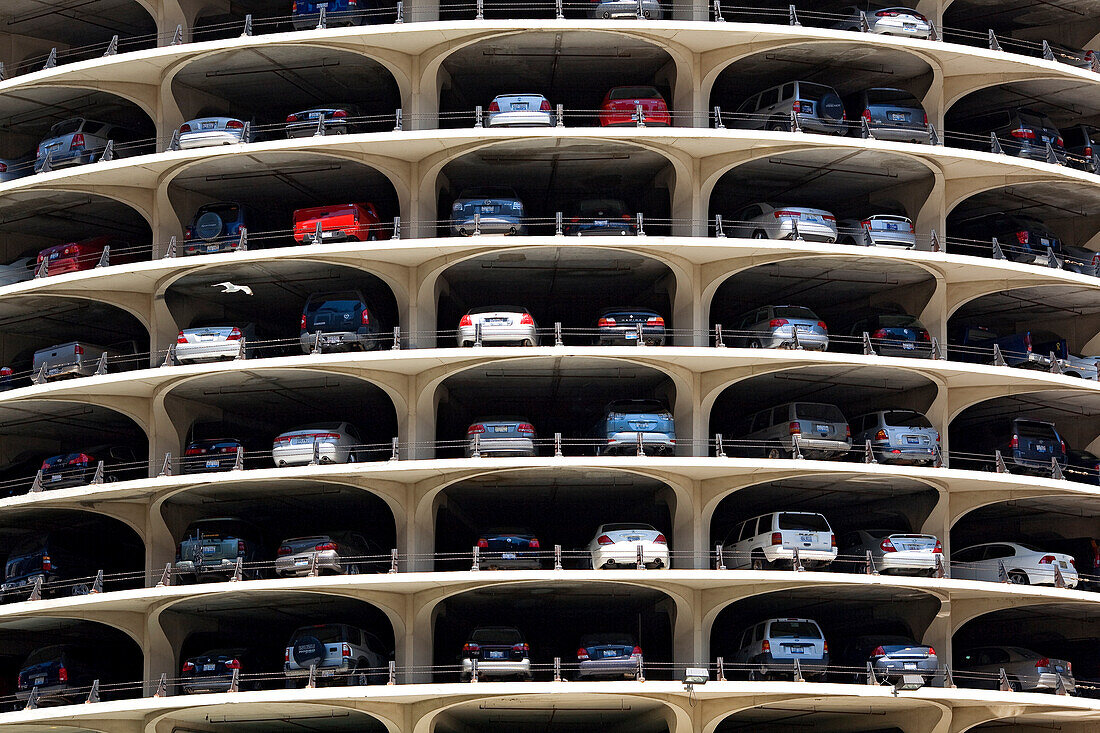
pixel 1071 21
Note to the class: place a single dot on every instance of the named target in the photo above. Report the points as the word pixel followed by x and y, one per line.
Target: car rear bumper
pixel 300 455
pixel 628 335
pixel 1049 681
pixel 309 129
pixel 508 668
pixel 900 134
pixel 808 230
pixel 902 454
pixel 778 552
pixel 626 555
pixel 212 567
pixel 892 667
pixel 292 566
pixel 16 585
pixel 189 140
pixel 214 683
pixel 502 447
pixel 324 669
pixel 335 340
pixel 205 351
pixel 531 118
pixel 620 667
pixel 489 333
pixel 919 350
pixel 626 9
pixel 906 561
pixel 498 225
pixel 890 27
pixel 901 240
pixel 329 235
pixel 658 442
pixel 782 337
pixel 200 464
pixel 496 560
pixel 200 247
pixel 822 445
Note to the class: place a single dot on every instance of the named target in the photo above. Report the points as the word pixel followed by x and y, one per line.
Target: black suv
pixel 54 557
pixel 1021 132
pixel 1026 446
pixel 62 674
pixel 1022 238
pixel 1081 141
pixel 339 321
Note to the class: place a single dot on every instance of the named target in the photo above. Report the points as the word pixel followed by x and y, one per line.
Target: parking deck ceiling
pixel 33 111
pixel 68 217
pixel 75 22
pixel 1013 14
pixel 1030 304
pixel 1052 406
pixel 1046 201
pixel 62 319
pixel 1066 101
pixel 76 425
pixel 602 713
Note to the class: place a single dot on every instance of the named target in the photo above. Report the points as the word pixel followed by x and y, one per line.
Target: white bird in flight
pixel 233 288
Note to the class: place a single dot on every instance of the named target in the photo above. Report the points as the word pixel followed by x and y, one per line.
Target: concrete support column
pixel 934 313
pixel 685 311
pixel 421 11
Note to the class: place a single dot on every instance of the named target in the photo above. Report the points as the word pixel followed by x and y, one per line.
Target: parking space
pixel 558 508
pixel 579 714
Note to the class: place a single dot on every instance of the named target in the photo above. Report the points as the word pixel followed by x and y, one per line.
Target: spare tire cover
pixel 209 225
pixel 831 106
pixel 308 650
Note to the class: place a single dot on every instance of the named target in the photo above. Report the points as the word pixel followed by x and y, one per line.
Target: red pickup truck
pixel 340 223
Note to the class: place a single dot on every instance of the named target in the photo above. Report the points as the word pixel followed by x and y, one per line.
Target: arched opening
pixel 573 286
pixel 552 620
pixel 1022 27
pixel 574 69
pixel 608 712
pixel 547 177
pixel 561 507
pixel 821 715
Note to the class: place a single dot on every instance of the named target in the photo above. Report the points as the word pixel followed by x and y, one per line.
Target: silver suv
pixel 820 429
pixel 358 657
pixel 819 109
pixel 772 646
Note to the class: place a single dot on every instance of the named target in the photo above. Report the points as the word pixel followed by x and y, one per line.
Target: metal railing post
pixel 792 16
pixel 557 334
pixel 36 590
pixel 322 18
pixel 639 560
pixel 871 678
pixel 640 445
pixel 720 673
pixel 238 571
pixel 170 250
pixel 247 26
pixel 162 686
pixel 100 474
pixel 108 153
pixel 97 584
pixel 235 681
pixel 868 453
pixel 392 677
pixel 719 558
pixel 557 557
pixel 400 12
pixel 999 462
pixel 718 124
pixel 798 671
pixel 994 44
pixel 476 453
pixel 473 670
pixel 719 448
pixel 177 37
pixel 165 577
pixel 311 683
pixel 558 231
pixel 51 60
pixel 238 462
pixel 480 10
pixel 995 144
pixel 796 562
pixel 719 230
pixel 393 560
pixel 557 445
pixel 166 467
pixel 998 357
pixel 641 224
pixel 557 660
pixel 639 115
pixel 396 227
pixel 941 566
pixel 36 485
pixel 719 341
pixel 476 563
pixel 868 348
pixel 478 115
pixel 869 565
pixel 558 14
pixel 93 694
pixel 477 224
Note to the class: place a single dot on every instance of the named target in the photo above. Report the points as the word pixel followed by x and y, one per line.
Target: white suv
pixel 769 540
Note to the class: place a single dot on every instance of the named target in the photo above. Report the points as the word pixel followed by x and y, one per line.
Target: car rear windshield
pixel 610 639
pixel 899 322
pixel 28 546
pixel 634 93
pixel 496 636
pixel 818 411
pixel 65 128
pixel 1033 120
pixel 644 407
pixel 627 527
pixel 497 309
pixel 813 92
pixel 795 311
pixel 602 207
pixel 328 634
pixel 1033 429
pixel 488 192
pixel 891 96
pixel 794 630
pixel 810 522
pixel 334 301
pixel 906 419
pixel 43 655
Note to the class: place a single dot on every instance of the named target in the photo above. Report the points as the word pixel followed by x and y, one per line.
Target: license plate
pixel 55 477
pixel 301 562
pixel 212 464
pixel 811 217
pixel 314 115
pixel 797 650
pixel 208 125
pixel 909 26
pixel 487 209
pixel 300 441
pixel 328 672
pixel 54 255
pixel 209 550
pixel 804 329
pixel 1062 563
pixel 519 105
pixel 1040 449
pixel 633 538
pixel 497 321
pixel 206 337
pixel 822 428
pixel 807 538
pixel 507 556
pixel 53 146
pixel 911 440
pixel 909 665
pixel 906 346
pixel 500 428
pixel 600 222
pixel 1045 242
pixel 39 680
pixel 212 248
pixel 208 667
pixel 610 653
pixel 630 335
pixel 496 655
pixel 891 226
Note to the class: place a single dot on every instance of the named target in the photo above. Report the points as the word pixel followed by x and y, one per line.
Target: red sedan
pixel 621 103
pixel 339 223
pixel 84 255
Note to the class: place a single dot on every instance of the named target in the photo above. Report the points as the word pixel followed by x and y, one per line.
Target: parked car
pixel 488 209
pixel 878 230
pixel 337 121
pixel 891 656
pixel 208 131
pixel 616 545
pixel 336 442
pixel 974 343
pixel 1022 238
pixel 211 454
pixel 71 359
pixel 498 324
pixel 508 548
pixel 771 647
pixel 342 653
pixel 769 541
pixel 1080 141
pixel 339 223
pixel 341 320
pixel 18 270
pixel 899 437
pixel 893 552
pixel 1083 466
pixel 215 341
pixel 12 168
pixel 765 221
pixel 1026 446
pixel 620 326
pixel 1079 57
pixel 500 651
pixel 821 430
pixel 893 334
pixel 884 20
pixel 120 463
pixel 520 110
pixel 819 109
pixel 624 421
pixel 626 9
pixel 211 547
pixel 1025 564
pixel 60 557
pixel 1081 260
pixel 608 655
pixel 84 255
pixel 1027 671
pixel 77 141
pixel 774 327
pixel 212 671
pixel 61 674
pixel 620 106
pixel 335 553
pixel 215 228
pixel 600 217
pixel 501 437
pixel 305 14
pixel 1022 132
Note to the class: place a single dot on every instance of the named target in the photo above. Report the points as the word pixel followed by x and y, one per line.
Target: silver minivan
pixel 775 326
pixel 772 646
pixel 819 109
pixel 821 431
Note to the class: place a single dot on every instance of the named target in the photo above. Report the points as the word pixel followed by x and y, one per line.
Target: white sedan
pixel 520 110
pixel 498 324
pixel 336 443
pixel 616 545
pixel 206 131
pixel 1023 564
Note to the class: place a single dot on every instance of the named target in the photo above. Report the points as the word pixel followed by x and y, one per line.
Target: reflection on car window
pixel 496 636
pixel 794 630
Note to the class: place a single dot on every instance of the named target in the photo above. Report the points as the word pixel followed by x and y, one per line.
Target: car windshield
pixel 488 192
pixel 497 309
pixel 496 636
pixel 65 128
pixel 899 322
pixel 634 93
pixel 43 655
pixel 812 92
pixel 794 630
pixel 602 207
pixel 1034 429
pixel 628 527
pixel 891 96
pixel 326 634
pixel 641 407
pixel 609 639
pixel 817 411
pixel 906 419
pixel 809 522
pixel 795 311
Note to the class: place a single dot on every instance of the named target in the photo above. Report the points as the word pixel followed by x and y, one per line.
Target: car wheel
pixel 80 589
pixel 352 458
pixel 606 15
pixel 755 344
pixel 1014 684
pixel 774 453
pixel 529 342
pixel 353 569
pixel 759 563
pixel 759 234
pixel 647 14
pixel 1019 577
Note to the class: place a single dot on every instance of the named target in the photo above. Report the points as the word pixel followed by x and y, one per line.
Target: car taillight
pixel 240 547
pixel 233 664
pixel 655 321
pixel 471 648
pixel 794 428
pixel 45 465
pixel 323 546
pixel 80 458
pixel 194 451
pixel 340 114
pixel 1023 133
pixel 1022 237
pixel 466 321
pixel 545 106
pixel 1088 151
pixel 878 652
pixel 533 544
pixel 185 128
pixel 881 435
pixel 791 214
pixel 79 350
pixel 302 323
pixel 867 115
pixel 1014 443
pixel 284 550
pixel 526 320
pixel 887 545
pixel 938 549
pixel 3 168
pixel 606 322
pixel 188 667
pixel 822 326
pixel 766 646
pixel 78 141
pixel 637 650
pixel 62 674
pixel 47 564
pixel 234 125
pixel 525 427
pixel 292 118
pixel 880 334
pixel 482 543
pixel 777 538
pixel 345 650
pixel 286 656
pixel 796 107
pixel 1063 446
pixel 605 540
pixel 1047 559
pixel 777 322
pixel 365 317
pixel 582 654
pixel 660 540
pixel 1059 142
pixel 926 119
pixel 521 648
pixel 493 106
pixel 475 428
pixel 1042 662
pixel 180 338
pixel 924 335
pixel 886 14
pixel 234 335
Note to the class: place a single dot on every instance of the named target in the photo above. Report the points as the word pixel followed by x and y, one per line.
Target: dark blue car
pixel 508 548
pixel 608 656
pixel 600 217
pixel 305 14
pixel 215 228
pixel 1026 446
pixel 339 321
pixel 619 326
pixel 624 421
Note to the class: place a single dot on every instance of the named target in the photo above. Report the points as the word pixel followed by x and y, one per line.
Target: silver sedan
pixel 498 324
pixel 335 443
pixel 207 131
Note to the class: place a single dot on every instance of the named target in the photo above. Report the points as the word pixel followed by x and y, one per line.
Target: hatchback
pixel 339 320
pixel 213 342
pixel 304 123
pixel 332 553
pixel 902 437
pixel 335 442
pixel 1022 238
pixel 890 657
pixel 1027 671
pixel 818 108
pixel 769 541
pixel 488 210
pixel 1024 564
pixel 767 221
pixel 77 141
pixel 621 326
pixel 608 655
pixel 889 21
pixel 617 545
pixel 520 110
pixel 879 230
pixel 600 217
pixel 624 422
pixel 508 548
pixel 207 131
pixel 501 437
pixel 893 334
pixel 215 228
pixel 84 255
pixel 500 651
pixel 212 671
pixel 498 324
pixel 894 553
pixel 772 647
pixel 211 454
pixel 820 430
pixel 775 326
pixel 338 223
pixel 620 107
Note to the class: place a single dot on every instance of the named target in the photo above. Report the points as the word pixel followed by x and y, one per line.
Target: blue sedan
pixel 487 210
pixel 608 655
pixel 508 549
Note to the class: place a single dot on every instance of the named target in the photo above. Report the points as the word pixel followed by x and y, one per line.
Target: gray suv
pixel 358 657
pixel 820 429
pixel 819 109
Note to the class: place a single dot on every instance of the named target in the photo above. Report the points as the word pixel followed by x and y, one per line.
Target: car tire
pixel 353 569
pixel 352 458
pixel 80 589
pixel 1019 577
pixel 760 563
pixel 1014 684
pixel 775 454
pixel 755 344
pixel 759 234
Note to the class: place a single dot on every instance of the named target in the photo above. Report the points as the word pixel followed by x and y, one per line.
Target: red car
pixel 340 223
pixel 621 102
pixel 84 255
